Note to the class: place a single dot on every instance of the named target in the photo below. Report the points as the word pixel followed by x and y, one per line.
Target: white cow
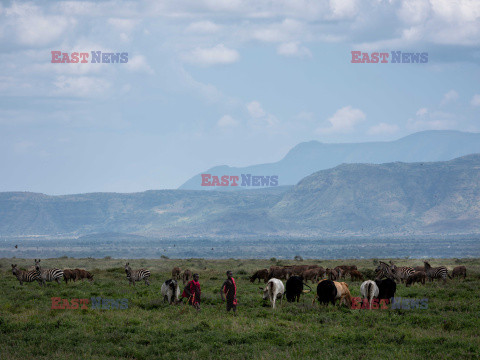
pixel 273 290
pixel 369 290
pixel 170 291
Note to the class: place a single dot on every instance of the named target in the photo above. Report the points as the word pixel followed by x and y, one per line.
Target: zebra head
pixel 427 265
pixel 128 269
pixel 37 265
pixel 14 269
pixel 385 270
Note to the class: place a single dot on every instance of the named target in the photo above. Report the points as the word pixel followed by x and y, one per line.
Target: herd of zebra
pixel 411 275
pixel 406 274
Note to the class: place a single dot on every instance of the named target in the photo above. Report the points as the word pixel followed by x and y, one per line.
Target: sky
pixel 212 82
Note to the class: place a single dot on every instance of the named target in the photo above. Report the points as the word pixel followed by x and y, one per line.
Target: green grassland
pixel 151 329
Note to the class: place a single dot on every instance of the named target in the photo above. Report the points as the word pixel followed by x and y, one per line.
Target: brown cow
pixel 187 274
pixel 343 293
pixel 313 274
pixel 278 272
pixel 69 274
pixel 176 273
pixel 356 275
pixel 459 271
pixel 332 274
pixel 83 274
pixel 260 274
pixel 417 276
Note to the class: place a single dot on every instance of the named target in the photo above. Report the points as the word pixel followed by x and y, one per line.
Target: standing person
pixel 192 292
pixel 229 288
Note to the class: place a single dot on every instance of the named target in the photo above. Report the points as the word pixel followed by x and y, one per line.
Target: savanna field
pixel 151 329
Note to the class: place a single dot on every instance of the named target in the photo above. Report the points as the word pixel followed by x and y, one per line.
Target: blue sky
pixel 213 82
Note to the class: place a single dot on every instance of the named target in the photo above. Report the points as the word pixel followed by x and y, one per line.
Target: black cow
pixel 294 288
pixel 326 292
pixel 386 288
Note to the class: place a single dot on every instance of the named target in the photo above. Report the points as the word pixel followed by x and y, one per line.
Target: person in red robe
pixel 229 292
pixel 193 292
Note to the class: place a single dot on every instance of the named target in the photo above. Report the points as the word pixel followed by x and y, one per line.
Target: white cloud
pixel 422 111
pixel 343 121
pixel 287 30
pixel 431 120
pixel 227 121
pixel 449 96
pixel 255 109
pixel 293 49
pixel 138 63
pixel 218 54
pixel 383 128
pixel 126 25
pixel 343 9
pixel 82 86
pixel 475 100
pixel 202 27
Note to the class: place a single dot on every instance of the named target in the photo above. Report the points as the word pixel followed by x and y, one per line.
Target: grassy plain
pixel 150 329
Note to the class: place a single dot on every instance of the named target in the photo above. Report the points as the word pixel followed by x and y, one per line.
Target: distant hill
pixel 392 199
pixel 309 157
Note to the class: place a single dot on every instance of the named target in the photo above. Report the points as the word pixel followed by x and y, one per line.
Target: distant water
pixel 460 247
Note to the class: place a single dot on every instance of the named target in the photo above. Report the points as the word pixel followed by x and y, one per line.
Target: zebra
pixel 384 270
pixel 136 275
pixel 439 272
pixel 48 274
pixel 402 272
pixel 26 276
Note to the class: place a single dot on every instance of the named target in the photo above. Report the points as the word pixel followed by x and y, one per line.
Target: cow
pixel 459 271
pixel 313 274
pixel 386 288
pixel 69 274
pixel 369 290
pixel 273 290
pixel 83 274
pixel 332 274
pixel 355 275
pixel 260 274
pixel 294 288
pixel 340 272
pixel 343 293
pixel 176 273
pixel 170 291
pixel 326 292
pixel 277 272
pixel 417 276
pixel 187 274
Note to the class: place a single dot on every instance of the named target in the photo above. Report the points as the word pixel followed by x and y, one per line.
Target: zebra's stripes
pixel 439 272
pixel 383 270
pixel 48 274
pixel 26 276
pixel 136 275
pixel 402 272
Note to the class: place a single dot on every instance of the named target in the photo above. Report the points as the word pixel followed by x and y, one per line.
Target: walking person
pixel 193 292
pixel 229 292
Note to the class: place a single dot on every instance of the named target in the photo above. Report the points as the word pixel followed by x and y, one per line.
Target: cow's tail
pixel 369 293
pixel 308 286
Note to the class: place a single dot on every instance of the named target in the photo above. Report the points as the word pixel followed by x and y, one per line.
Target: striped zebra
pixel 402 272
pixel 48 274
pixel 439 272
pixel 136 275
pixel 383 270
pixel 26 276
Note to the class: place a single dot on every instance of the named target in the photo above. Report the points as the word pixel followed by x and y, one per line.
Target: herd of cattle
pixel 329 290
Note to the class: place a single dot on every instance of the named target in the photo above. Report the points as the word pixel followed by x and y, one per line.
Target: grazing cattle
pixel 260 275
pixel 419 268
pixel 313 274
pixel 386 288
pixel 343 293
pixel 439 272
pixel 310 267
pixel 369 290
pixel 298 269
pixel 170 291
pixel 294 288
pixel 417 276
pixel 48 274
pixel 136 275
pixel 459 271
pixel 340 272
pixel 187 274
pixel 326 292
pixel 83 274
pixel 273 290
pixel 26 276
pixel 277 272
pixel 332 274
pixel 176 273
pixel 356 275
pixel 69 274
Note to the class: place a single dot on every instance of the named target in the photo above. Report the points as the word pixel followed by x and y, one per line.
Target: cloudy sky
pixel 212 82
